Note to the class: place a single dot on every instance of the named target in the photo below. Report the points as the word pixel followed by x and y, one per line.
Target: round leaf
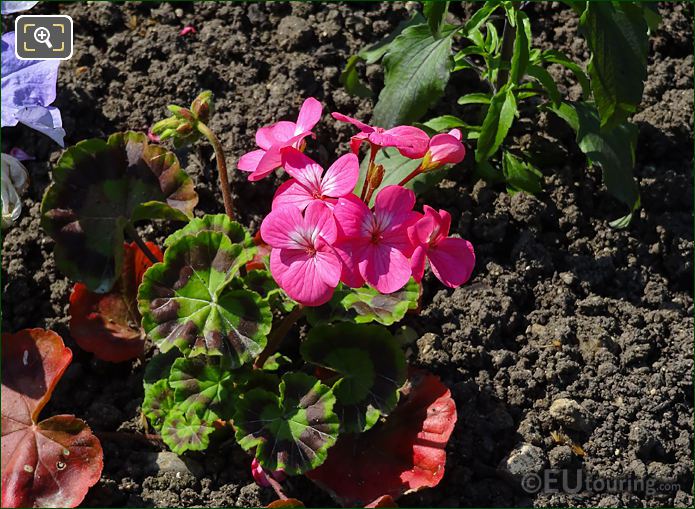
pixel 186 302
pixel 372 366
pixel 186 432
pixel 99 187
pixel 404 454
pixel 158 402
pixel 201 386
pixel 214 223
pixel 291 430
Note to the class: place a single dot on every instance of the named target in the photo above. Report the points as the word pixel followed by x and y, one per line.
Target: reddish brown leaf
pixel 383 501
pixel 404 454
pixel 54 462
pixel 108 324
pixel 286 502
pixel 260 258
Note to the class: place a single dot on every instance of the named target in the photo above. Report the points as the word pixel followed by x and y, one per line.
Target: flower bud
pixel 376 176
pixel 202 106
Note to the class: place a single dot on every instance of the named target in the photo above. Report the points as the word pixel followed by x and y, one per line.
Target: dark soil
pixel 561 306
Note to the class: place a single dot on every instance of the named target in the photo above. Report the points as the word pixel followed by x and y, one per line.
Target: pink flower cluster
pixel 322 234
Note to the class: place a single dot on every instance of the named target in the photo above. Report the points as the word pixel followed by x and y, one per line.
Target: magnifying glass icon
pixel 43 36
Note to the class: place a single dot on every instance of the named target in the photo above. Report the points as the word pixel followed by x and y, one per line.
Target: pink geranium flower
pixel 451 258
pixel 410 141
pixel 445 148
pixel 310 183
pixel 376 242
pixel 302 260
pixel 273 139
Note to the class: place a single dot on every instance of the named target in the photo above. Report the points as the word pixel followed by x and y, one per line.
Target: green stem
pixel 278 334
pixel 411 176
pixel 221 167
pixel 135 237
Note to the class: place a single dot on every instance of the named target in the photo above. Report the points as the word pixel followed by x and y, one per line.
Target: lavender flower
pixel 28 89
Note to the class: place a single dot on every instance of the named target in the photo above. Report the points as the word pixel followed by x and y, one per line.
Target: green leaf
pixel 475 98
pixel 558 57
pixel 479 17
pixel 617 35
pixel 186 302
pixel 613 149
pixel 350 79
pixel 416 71
pixel 435 12
pixel 371 365
pixel 203 386
pixel 498 120
pixel 158 367
pixel 214 223
pixel 262 282
pixel 98 188
pixel 520 175
pixel 522 47
pixel 158 402
pixel 185 432
pixel 448 122
pixel 290 430
pixel 547 82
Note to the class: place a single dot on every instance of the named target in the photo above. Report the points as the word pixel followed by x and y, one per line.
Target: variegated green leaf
pixel 262 282
pixel 158 402
pixel 215 223
pixel 372 368
pixel 202 386
pixel 102 186
pixel 186 301
pixel 291 429
pixel 186 432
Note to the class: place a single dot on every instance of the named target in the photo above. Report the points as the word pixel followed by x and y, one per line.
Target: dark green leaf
pixel 435 11
pixel 350 79
pixel 186 301
pixel 522 47
pixel 416 71
pixel 203 386
pixel 557 57
pixel 475 98
pixel 371 364
pixel 447 122
pixel 479 17
pixel 498 120
pixel 158 402
pixel 291 430
pixel 520 175
pixel 101 186
pixel 547 82
pixel 617 35
pixel 262 282
pixel 158 366
pixel 186 432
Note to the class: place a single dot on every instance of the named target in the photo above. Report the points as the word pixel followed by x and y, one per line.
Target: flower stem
pixel 411 176
pixel 508 36
pixel 135 237
pixel 221 167
pixel 277 487
pixel 367 178
pixel 278 334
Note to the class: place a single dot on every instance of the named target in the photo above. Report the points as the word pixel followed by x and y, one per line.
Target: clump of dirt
pixel 571 347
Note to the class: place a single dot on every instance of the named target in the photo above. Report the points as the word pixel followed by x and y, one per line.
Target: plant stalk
pixel 135 237
pixel 411 176
pixel 221 167
pixel 508 36
pixel 367 178
pixel 278 334
pixel 277 487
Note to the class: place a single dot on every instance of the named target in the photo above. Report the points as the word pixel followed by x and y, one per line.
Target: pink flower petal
pixel 394 206
pixel 275 135
pixel 270 161
pixel 309 115
pixel 360 125
pixel 417 262
pixel 250 160
pixel 304 169
pixel 350 274
pixel 456 133
pixel 446 149
pixel 280 226
pixel 302 276
pixel 341 177
pixel 292 193
pixel 420 232
pixel 318 218
pixel 385 268
pixel 410 141
pixel 328 267
pixel 350 214
pixel 452 261
pixel 187 30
